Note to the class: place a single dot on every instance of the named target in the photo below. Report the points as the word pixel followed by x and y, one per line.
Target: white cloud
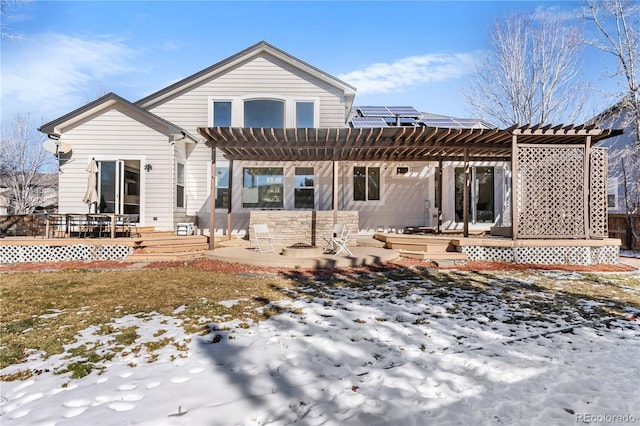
pixel 409 72
pixel 52 74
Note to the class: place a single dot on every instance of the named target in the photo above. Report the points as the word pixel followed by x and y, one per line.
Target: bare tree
pixel 22 162
pixel 531 74
pixel 618 34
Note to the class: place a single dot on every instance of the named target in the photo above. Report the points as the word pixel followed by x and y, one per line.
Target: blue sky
pixel 415 53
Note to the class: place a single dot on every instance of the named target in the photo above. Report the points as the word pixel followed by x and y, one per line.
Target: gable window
pixel 262 187
pixel 180 185
pixel 222 113
pixel 366 183
pixel 304 188
pixel 222 187
pixel 264 113
pixel 304 115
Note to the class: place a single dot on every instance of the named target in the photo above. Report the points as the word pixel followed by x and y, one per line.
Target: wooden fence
pixel 618 229
pixel 22 225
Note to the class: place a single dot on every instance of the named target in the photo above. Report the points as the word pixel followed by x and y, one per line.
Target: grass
pixel 45 311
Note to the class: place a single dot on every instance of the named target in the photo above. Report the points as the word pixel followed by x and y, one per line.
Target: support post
pixel 212 201
pixel 440 164
pixel 585 187
pixel 229 200
pixel 514 186
pixel 336 170
pixel 465 195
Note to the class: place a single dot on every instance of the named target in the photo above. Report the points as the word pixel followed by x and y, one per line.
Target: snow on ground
pixel 408 352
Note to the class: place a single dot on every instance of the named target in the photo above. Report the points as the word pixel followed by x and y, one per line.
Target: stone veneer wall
pixel 290 227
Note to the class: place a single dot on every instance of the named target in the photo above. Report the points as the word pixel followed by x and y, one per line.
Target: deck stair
pixel 440 250
pixel 158 246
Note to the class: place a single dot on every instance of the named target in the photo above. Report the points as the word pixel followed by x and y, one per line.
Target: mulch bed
pixel 238 268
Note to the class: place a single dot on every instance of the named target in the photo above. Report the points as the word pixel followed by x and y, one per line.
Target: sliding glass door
pixel 119 186
pixel 481 201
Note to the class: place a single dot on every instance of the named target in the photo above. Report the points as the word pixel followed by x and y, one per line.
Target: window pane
pixel 264 113
pixel 359 183
pixel 483 189
pixel 222 198
pixel 373 183
pixel 222 177
pixel 263 187
pixel 304 198
pixel 304 176
pixel 222 114
pixel 180 174
pixel 222 187
pixel 304 192
pixel 179 196
pixel 304 114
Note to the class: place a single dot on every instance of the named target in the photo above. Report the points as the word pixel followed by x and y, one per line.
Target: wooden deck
pixel 440 248
pixel 149 246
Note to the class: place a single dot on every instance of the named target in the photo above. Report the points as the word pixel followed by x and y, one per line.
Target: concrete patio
pixel 367 252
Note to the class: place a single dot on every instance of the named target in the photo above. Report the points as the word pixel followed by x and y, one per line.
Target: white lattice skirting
pixel 45 253
pixel 608 255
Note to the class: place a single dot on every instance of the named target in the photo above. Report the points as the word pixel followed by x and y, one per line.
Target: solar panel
pixel 441 122
pixel 473 123
pixel 367 122
pixel 403 111
pixel 400 121
pixel 374 111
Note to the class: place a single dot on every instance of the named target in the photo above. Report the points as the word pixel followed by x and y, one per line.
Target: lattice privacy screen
pixel 598 193
pixel 549 191
pixel 46 253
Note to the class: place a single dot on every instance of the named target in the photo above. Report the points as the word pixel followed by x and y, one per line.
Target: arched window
pixel 264 113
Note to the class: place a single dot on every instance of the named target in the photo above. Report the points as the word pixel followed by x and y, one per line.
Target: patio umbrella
pixel 91 196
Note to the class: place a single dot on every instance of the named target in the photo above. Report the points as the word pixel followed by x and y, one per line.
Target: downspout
pixel 172 184
pixel 229 202
pixel 465 195
pixel 212 201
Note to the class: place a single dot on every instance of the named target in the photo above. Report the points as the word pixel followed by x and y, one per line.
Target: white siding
pixel 112 135
pixel 261 76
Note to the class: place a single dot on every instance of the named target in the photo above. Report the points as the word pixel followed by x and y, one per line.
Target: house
pixel 618 116
pixel 43 193
pixel 280 140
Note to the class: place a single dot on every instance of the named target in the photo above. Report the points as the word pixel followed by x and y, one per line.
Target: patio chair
pixel 127 222
pixel 56 225
pixel 341 243
pixel 264 240
pixel 97 224
pixel 338 231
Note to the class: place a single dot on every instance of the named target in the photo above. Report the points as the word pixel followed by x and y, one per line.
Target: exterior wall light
pixel 148 167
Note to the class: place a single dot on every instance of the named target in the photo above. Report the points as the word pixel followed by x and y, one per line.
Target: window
pixel 304 188
pixel 222 113
pixel 262 187
pixel 180 185
pixel 264 113
pixel 612 193
pixel 304 115
pixel 366 183
pixel 222 187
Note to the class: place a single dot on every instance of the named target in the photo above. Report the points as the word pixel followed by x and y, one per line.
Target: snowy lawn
pixel 410 347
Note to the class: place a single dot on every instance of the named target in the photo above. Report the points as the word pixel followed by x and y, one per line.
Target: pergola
pixel 558 179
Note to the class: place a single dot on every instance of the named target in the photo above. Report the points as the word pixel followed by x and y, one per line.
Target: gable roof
pixel 231 61
pixel 110 99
